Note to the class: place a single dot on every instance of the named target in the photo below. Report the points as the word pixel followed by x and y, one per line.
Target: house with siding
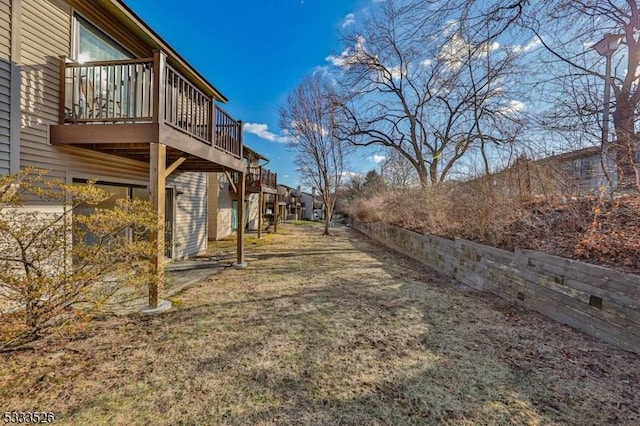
pixel 289 206
pixel 571 174
pixel 311 206
pixel 260 188
pixel 89 92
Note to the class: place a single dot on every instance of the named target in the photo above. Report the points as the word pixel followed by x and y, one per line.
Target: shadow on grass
pixel 342 334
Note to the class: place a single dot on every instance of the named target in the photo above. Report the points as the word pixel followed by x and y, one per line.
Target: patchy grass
pixel 326 330
pixel 309 223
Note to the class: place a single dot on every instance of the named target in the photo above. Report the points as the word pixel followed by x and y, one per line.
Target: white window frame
pixel 75 36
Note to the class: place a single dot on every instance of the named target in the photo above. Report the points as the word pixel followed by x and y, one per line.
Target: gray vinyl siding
pixel 5 109
pixel 5 84
pixel 190 213
pixel 46 35
pixel 307 212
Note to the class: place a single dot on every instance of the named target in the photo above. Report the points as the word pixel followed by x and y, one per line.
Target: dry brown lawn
pixel 326 330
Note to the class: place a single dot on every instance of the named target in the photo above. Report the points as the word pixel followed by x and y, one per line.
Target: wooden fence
pixel 598 301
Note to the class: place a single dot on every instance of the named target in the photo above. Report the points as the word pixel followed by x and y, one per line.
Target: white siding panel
pixel 220 207
pixel 190 213
pixel 253 208
pixel 212 208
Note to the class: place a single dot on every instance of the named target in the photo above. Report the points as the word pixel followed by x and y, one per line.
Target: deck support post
pixel 157 166
pixel 241 184
pixel 276 209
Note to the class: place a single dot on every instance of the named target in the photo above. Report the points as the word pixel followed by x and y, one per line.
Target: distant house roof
pixel 572 155
pixel 249 153
pixel 122 12
pixel 287 187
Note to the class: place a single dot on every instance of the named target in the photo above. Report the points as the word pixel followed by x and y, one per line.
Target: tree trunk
pixel 624 145
pixel 433 172
pixel 327 219
pixel 424 180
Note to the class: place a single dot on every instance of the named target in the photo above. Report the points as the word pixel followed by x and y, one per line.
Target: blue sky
pixel 255 52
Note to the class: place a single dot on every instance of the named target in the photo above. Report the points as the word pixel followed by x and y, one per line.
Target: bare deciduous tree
pixel 568 29
pixel 398 171
pixel 308 118
pixel 428 80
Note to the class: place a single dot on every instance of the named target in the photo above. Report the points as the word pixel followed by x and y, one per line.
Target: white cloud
pixel 262 131
pixel 306 128
pixel 456 51
pixel 450 27
pixel 350 175
pixel 530 45
pixel 396 72
pixel 352 55
pixel 453 52
pixel 321 70
pixel 349 19
pixel 513 107
pixel 377 158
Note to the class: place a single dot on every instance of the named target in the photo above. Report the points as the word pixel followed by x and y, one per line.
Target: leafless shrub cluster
pixel 474 210
pixel 528 199
pixel 54 261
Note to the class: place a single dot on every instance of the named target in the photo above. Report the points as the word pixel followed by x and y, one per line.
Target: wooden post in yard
pixel 157 164
pixel 240 234
pixel 276 208
pixel 157 181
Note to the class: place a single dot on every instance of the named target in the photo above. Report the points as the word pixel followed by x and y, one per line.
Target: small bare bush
pixel 53 259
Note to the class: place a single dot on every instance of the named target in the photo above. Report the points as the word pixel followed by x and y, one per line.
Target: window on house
pixel 234 215
pixel 92 44
pixel 117 191
pixel 586 168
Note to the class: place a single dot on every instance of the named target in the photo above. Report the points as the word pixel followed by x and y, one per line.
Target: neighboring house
pixel 90 92
pixel 289 205
pixel 312 207
pixel 260 183
pixel 575 173
pixel 571 174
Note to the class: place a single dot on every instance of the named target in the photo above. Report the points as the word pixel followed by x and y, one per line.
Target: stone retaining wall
pixel 596 300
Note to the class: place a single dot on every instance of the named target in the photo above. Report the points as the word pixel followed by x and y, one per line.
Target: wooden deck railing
pixel 258 174
pixel 123 91
pixel 228 133
pixel 186 107
pixel 107 91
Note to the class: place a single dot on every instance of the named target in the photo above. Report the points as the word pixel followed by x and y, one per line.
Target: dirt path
pixel 326 330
